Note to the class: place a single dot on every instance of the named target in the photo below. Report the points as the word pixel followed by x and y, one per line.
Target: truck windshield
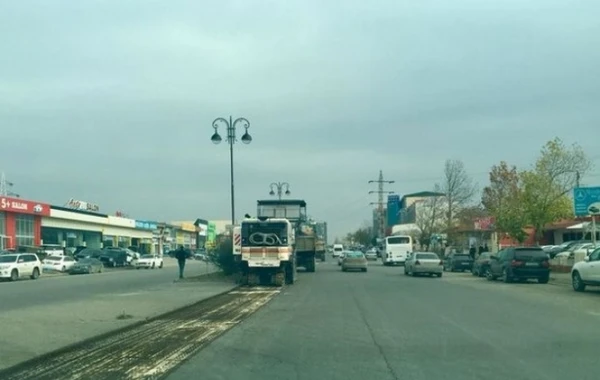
pixel 260 234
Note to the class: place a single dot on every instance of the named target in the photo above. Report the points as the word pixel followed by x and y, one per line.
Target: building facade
pixel 20 222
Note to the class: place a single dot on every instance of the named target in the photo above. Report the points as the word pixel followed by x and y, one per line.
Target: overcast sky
pixel 112 102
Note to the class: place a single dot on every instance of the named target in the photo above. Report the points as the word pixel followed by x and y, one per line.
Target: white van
pixel 337 250
pixel 397 249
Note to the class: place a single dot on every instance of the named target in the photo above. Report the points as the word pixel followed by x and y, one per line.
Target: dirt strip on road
pixel 150 349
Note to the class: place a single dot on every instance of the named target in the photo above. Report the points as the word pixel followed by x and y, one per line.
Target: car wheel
pixel 506 277
pixel 489 275
pixel 577 283
pixel 544 279
pixel 161 265
pixel 14 275
pixel 36 274
pixel 63 269
pixel 440 274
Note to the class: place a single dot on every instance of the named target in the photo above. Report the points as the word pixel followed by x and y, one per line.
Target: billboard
pixel 393 209
pixel 586 201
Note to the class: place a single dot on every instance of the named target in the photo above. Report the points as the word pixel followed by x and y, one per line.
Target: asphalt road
pixel 384 325
pixel 65 288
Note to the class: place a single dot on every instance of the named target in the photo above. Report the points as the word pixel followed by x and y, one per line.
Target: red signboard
pixel 484 224
pixel 22 206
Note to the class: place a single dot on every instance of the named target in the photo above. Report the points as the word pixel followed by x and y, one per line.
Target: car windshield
pixel 8 258
pixel 427 256
pixel 86 261
pixel 353 254
pixel 152 256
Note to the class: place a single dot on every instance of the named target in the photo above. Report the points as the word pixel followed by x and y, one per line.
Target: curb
pixel 105 335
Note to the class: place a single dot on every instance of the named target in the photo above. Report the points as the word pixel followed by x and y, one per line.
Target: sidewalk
pixel 65 323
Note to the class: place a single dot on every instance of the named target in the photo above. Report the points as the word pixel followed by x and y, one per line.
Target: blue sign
pixel 586 200
pixel 393 209
pixel 145 225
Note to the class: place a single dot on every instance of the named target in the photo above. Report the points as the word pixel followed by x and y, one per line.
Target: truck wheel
pixel 279 279
pixel 289 274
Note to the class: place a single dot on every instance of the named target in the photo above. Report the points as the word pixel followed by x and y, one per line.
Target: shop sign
pixel 83 206
pixel 202 229
pixel 145 225
pixel 22 206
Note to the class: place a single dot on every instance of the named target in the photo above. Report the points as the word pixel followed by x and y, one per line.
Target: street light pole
pixel 279 186
pixel 231 126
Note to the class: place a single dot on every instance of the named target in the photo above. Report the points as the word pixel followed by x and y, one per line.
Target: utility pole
pixel 577 178
pixel 380 202
pixel 5 187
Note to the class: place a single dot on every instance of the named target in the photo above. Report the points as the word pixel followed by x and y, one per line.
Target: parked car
pixel 586 272
pixel 87 266
pixel 114 258
pixel 89 253
pixel 57 263
pixel 18 265
pixel 423 263
pixel 458 262
pixel 354 260
pixel 481 264
pixel 520 264
pixel 149 262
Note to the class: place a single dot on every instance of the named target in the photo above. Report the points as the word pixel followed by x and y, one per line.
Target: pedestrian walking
pixel 181 255
pixel 472 252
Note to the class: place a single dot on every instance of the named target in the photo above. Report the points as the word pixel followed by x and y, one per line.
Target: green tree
pixel 503 197
pixel 546 188
pixel 362 235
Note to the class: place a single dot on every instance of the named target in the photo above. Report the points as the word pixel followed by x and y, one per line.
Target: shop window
pixel 25 231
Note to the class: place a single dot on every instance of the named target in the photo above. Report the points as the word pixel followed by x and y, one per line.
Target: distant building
pixel 408 209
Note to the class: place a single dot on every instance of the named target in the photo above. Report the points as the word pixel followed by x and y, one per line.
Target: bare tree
pixel 430 217
pixel 458 188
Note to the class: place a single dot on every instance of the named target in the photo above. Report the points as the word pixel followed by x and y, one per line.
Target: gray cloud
pixel 112 102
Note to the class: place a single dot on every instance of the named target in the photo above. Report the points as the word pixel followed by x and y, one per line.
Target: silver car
pixel 423 263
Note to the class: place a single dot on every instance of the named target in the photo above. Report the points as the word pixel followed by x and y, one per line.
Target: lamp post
pixel 231 126
pixel 279 186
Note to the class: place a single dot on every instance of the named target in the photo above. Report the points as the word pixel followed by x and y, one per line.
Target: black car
pixel 114 258
pixel 88 253
pixel 519 264
pixel 458 262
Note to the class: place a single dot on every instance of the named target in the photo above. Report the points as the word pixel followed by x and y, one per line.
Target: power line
pixel 380 192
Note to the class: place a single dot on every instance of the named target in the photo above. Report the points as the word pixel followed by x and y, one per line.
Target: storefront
pixel 147 244
pixel 202 229
pixel 20 222
pixel 73 228
pixel 185 235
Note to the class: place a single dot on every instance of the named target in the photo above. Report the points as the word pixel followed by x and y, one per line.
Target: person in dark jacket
pixel 181 255
pixel 472 252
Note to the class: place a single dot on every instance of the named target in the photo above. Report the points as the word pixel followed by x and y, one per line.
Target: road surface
pixel 385 325
pixel 53 312
pixel 65 288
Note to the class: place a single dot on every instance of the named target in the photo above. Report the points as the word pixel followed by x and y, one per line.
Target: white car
pixel 58 263
pixel 18 265
pixel 586 272
pixel 148 261
pixel 371 254
pixel 423 263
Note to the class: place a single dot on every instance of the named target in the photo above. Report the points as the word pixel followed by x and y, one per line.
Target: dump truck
pixel 266 251
pixel 307 245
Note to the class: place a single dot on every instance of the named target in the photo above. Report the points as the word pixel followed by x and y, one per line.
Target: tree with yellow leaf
pixel 546 187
